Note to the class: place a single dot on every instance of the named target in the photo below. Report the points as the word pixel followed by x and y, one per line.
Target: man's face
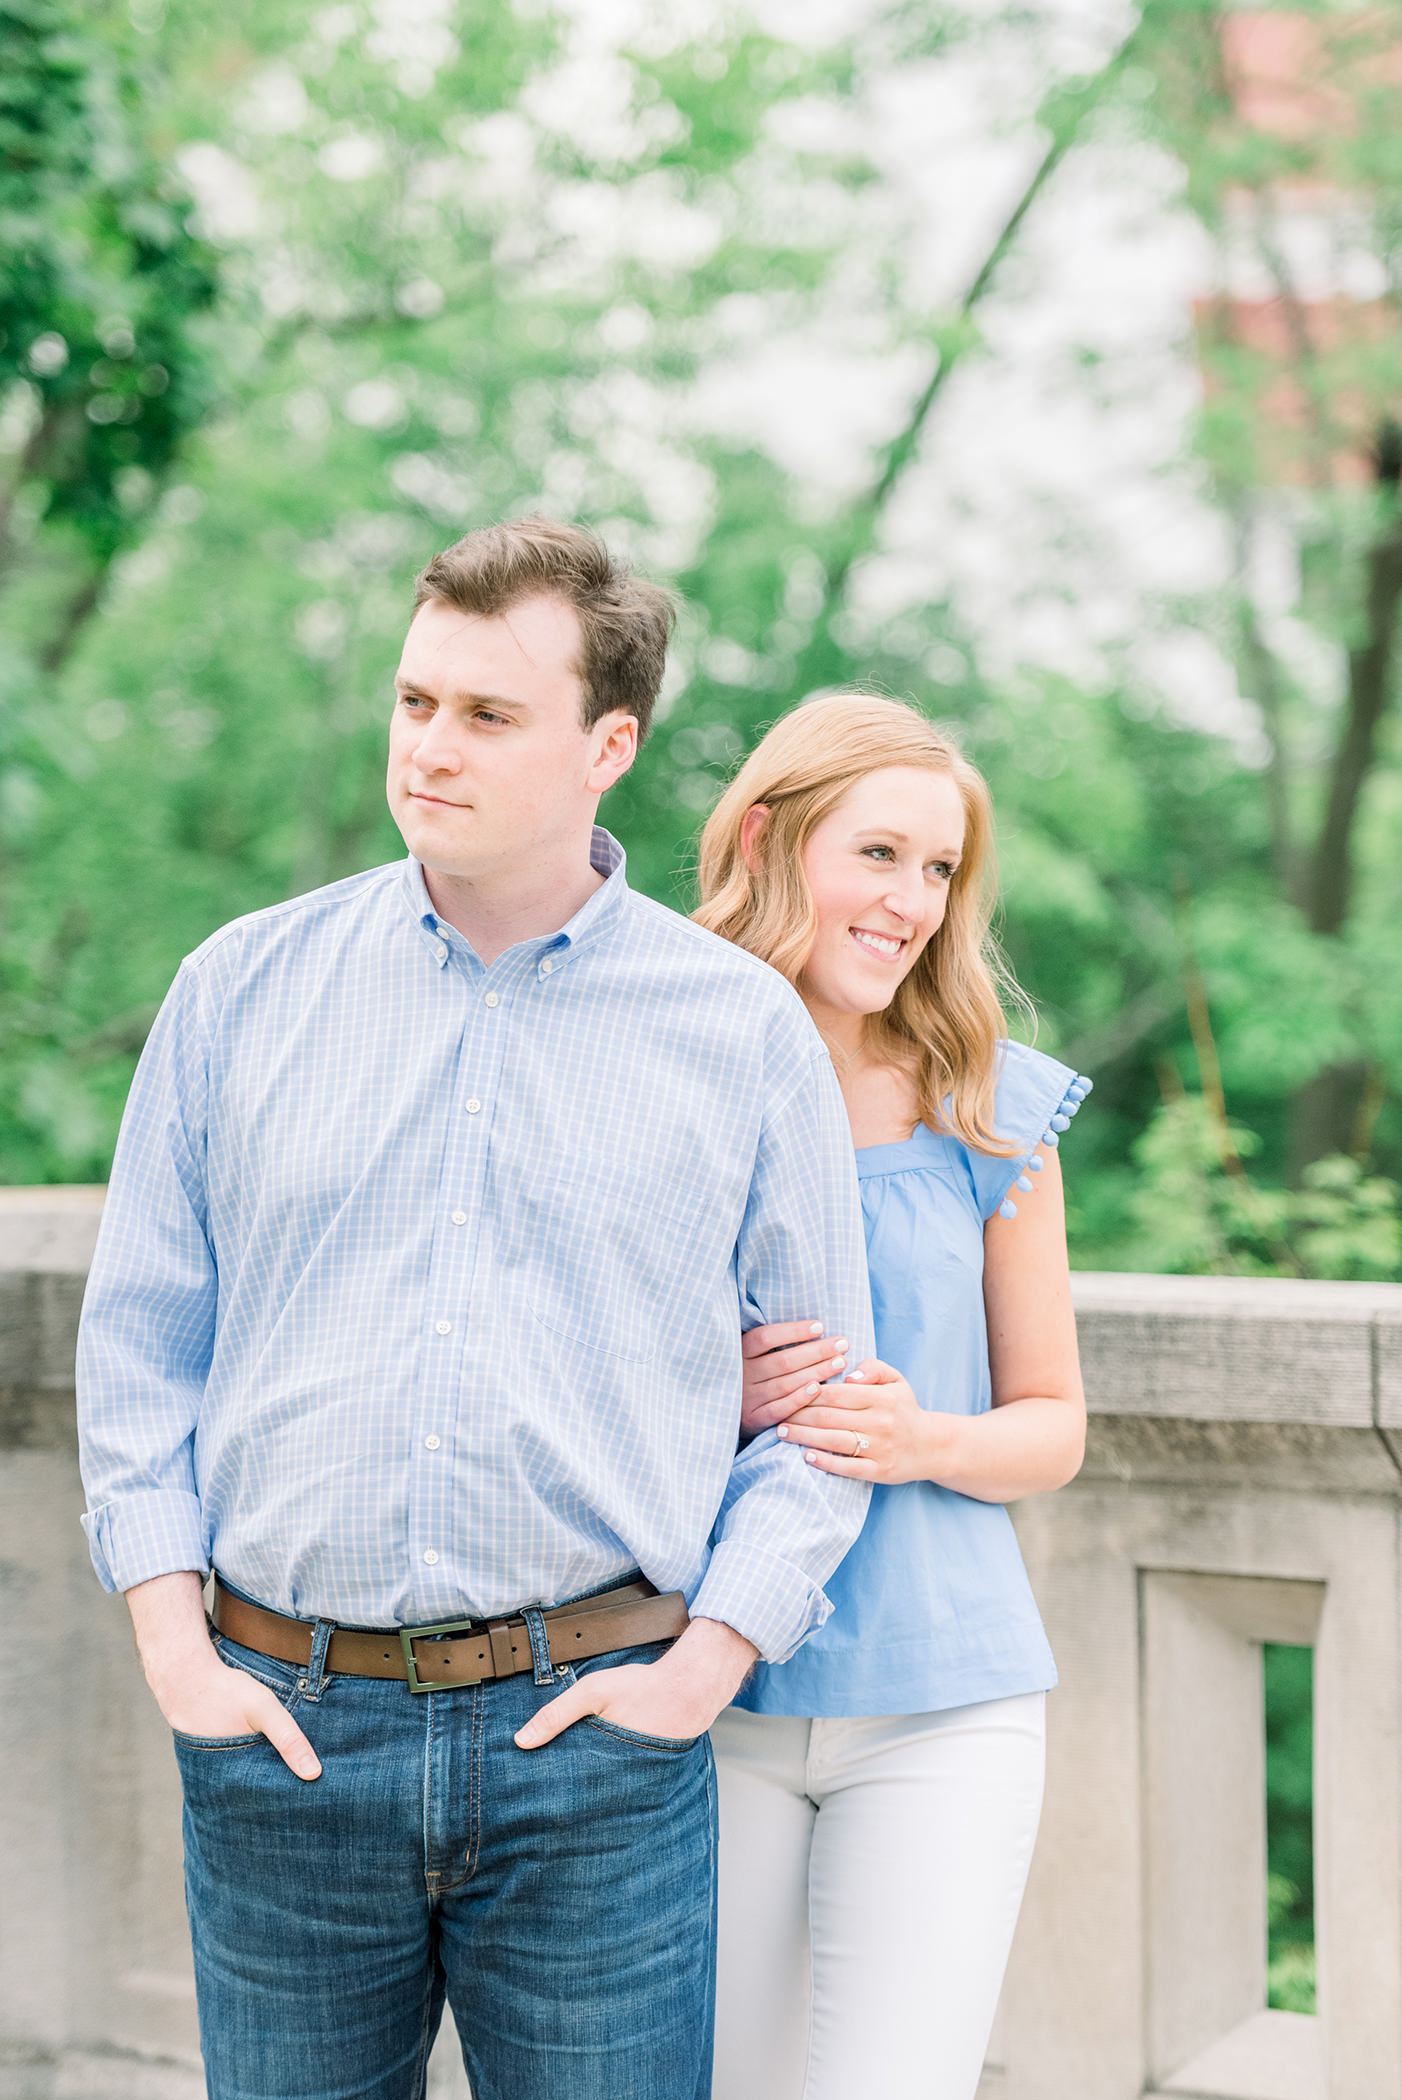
pixel 489 764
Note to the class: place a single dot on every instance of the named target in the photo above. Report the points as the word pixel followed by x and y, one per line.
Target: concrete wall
pixel 1244 1483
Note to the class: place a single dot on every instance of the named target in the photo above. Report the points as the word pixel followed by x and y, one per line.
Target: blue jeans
pixel 562 1898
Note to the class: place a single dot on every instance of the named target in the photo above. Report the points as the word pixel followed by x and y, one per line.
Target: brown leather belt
pixel 462 1651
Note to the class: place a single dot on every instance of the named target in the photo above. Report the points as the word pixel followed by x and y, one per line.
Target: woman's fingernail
pixel 838 1362
pixel 816 1328
pixel 841 1342
pixel 783 1429
pixel 809 1389
pixel 812 1457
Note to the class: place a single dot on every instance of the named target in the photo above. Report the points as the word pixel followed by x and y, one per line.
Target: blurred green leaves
pixel 102 284
pixel 431 278
pixel 1200 1212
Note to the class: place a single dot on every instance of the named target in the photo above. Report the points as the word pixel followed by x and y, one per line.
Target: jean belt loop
pixel 540 1644
pixel 316 1667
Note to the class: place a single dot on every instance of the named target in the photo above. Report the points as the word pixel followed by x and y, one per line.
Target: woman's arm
pixel 1032 1439
pixel 1034 1436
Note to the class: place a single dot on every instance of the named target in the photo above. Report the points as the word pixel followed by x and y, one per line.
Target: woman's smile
pixel 888 946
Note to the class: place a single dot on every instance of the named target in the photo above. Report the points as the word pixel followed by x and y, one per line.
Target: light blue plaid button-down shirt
pixel 420 1284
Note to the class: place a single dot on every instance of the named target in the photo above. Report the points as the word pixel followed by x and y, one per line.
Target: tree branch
pixel 31 462
pixel 1370 669
pixel 1328 437
pixel 954 338
pixel 77 611
pixel 1264 673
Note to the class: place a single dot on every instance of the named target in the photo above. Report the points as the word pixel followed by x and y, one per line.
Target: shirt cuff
pixel 158 1531
pixel 773 1603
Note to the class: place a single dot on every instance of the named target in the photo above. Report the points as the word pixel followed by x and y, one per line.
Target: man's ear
pixel 751 825
pixel 615 741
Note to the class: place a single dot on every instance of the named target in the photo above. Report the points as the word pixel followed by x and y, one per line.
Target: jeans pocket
pixel 283 1680
pixel 671 1745
pixel 215 1742
pixel 648 1652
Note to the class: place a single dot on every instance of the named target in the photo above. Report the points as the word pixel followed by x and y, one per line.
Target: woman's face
pixel 879 867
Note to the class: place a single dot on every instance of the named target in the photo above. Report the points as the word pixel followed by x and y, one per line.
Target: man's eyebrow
pixel 420 685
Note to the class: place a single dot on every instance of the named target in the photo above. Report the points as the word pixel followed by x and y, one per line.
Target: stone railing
pixel 1244 1484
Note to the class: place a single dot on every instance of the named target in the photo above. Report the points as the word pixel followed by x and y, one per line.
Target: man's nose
pixel 436 749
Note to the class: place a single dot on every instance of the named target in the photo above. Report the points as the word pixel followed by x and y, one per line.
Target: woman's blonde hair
pixel 947 1016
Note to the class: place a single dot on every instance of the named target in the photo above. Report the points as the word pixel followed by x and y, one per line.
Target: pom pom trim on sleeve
pixel 1060 1120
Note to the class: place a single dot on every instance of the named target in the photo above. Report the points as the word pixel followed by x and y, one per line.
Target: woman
pixel 880 1791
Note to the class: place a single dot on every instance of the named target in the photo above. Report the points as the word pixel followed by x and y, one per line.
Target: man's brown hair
pixel 624 621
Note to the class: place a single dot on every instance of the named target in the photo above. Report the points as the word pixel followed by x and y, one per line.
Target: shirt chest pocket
pixel 620 1258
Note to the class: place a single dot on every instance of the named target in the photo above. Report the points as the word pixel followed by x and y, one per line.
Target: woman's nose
pixel 905 903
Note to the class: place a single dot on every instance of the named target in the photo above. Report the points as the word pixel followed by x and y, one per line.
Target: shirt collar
pixel 597 915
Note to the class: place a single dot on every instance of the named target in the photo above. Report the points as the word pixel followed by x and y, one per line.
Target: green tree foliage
pixel 1199 1211
pixel 101 282
pixel 461 272
pixel 1304 385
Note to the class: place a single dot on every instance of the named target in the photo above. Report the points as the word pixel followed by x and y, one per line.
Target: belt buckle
pixel 409 1634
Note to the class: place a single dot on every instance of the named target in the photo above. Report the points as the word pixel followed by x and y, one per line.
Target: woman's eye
pixel 883 852
pixel 942 870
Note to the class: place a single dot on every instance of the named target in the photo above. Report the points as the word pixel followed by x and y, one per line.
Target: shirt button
pixel 491 1000
pixel 430 1558
pixel 472 1107
pixel 441 950
pixel 459 1217
pixel 445 1326
pixel 546 967
pixel 430 1443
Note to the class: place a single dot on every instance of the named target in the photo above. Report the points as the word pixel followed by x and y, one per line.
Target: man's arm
pixel 801 1255
pixel 783 1526
pixel 147 1328
pixel 144 1346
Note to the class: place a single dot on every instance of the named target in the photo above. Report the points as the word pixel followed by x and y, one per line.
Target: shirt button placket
pixel 472 1106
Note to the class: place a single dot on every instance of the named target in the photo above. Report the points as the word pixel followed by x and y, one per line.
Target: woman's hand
pixel 784 1368
pixel 901 1440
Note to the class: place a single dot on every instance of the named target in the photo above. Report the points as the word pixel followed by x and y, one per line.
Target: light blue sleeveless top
pixel 932 1606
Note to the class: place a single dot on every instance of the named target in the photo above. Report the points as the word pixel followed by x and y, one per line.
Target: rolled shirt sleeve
pixel 147 1329
pixel 784 1525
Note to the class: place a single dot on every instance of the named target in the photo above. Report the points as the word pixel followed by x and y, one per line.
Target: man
pixel 441 1198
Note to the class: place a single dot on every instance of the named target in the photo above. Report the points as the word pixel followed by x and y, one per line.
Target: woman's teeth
pixel 879 944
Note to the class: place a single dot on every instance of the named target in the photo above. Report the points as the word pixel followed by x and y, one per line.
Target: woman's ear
pixel 751 825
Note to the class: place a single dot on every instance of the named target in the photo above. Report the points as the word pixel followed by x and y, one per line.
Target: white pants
pixel 870 1877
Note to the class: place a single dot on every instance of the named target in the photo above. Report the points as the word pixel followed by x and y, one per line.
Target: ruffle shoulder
pixel 1034 1100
